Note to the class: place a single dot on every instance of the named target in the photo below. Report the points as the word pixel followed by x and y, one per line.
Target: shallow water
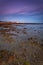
pixel 23 36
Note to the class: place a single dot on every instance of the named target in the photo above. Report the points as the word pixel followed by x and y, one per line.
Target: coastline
pixel 9 23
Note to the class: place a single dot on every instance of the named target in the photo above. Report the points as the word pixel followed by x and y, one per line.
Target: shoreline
pixel 9 23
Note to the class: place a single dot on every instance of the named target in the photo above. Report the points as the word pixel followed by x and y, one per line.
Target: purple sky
pixel 21 10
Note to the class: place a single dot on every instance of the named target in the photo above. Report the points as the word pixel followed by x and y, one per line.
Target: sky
pixel 25 11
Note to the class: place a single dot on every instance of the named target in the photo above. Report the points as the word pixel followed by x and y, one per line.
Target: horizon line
pixel 4 22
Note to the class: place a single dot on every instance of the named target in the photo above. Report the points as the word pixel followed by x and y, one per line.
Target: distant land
pixel 5 22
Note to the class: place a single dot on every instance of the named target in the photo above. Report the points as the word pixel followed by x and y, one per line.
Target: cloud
pixel 21 10
pixel 20 6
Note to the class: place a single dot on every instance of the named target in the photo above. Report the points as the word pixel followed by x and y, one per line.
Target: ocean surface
pixel 24 38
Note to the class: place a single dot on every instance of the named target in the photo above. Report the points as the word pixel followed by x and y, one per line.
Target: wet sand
pixel 21 44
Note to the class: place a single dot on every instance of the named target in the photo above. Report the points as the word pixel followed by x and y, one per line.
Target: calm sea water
pixel 12 35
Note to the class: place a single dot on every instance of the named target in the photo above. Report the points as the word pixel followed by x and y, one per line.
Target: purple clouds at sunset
pixel 22 7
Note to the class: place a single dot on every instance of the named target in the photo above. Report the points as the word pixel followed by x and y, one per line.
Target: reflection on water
pixel 21 44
